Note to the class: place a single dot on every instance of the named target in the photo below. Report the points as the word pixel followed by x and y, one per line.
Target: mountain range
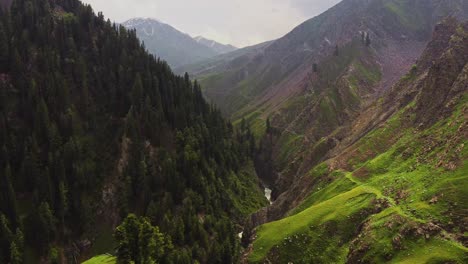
pixel 321 100
pixel 218 47
pixel 319 76
pixel 173 46
pixel 391 185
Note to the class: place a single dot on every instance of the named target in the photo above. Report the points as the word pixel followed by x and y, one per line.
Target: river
pixel 268 194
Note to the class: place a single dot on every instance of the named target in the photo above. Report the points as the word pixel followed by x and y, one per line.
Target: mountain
pixel 332 114
pixel 318 78
pixel 168 43
pixel 221 63
pixel 218 47
pixel 96 133
pixel 393 188
pixel 284 67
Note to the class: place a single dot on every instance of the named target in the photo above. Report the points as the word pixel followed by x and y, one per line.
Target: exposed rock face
pixel 416 130
pixel 447 78
pixel 307 91
pixel 401 30
pixel 435 84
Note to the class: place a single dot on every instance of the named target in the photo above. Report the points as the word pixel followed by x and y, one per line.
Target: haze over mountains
pixel 176 47
pixel 218 47
pixel 400 26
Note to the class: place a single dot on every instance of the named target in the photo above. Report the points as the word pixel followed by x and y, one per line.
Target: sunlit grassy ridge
pixel 102 259
pixel 406 198
pixel 297 233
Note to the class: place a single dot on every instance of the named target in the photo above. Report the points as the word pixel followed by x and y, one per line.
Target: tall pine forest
pixel 96 133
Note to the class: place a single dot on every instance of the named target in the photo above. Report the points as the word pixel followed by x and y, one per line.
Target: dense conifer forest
pixel 94 129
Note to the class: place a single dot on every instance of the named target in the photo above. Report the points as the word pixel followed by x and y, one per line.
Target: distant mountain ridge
pixel 398 30
pixel 216 46
pixel 172 45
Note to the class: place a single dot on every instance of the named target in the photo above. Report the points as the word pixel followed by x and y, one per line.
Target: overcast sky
pixel 237 22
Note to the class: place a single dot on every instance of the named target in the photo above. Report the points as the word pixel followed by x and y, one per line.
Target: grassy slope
pixel 413 182
pixel 102 259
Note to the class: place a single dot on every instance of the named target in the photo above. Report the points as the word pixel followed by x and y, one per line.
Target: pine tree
pixel 6 236
pixel 71 101
pixel 139 242
pixel 4 49
pixel 18 256
pixel 368 40
pixel 46 225
pixel 337 51
pixel 8 197
pixel 63 202
pixel 16 64
pixel 137 91
pixel 15 254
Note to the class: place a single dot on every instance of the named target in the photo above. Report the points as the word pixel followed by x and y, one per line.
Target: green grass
pixel 256 122
pixel 337 209
pixel 102 259
pixel 372 73
pixel 408 16
pixel 324 191
pixel 404 167
pixel 433 251
pixel 289 144
pixel 104 242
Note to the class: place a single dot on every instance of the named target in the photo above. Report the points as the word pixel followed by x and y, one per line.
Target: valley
pixel 349 115
pixel 343 141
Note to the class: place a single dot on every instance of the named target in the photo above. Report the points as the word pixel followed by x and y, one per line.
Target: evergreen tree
pixel 6 236
pixel 15 254
pixel 4 49
pixel 137 91
pixel 46 225
pixel 8 202
pixel 87 96
pixel 139 242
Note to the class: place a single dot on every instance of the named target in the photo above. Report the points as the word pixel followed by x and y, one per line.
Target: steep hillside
pixel 218 47
pixel 168 43
pixel 94 129
pixel 396 27
pixel 394 188
pixel 315 80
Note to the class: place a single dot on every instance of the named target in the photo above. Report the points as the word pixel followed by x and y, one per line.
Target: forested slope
pixel 93 128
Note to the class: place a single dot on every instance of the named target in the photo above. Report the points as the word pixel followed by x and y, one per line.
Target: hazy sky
pixel 237 22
